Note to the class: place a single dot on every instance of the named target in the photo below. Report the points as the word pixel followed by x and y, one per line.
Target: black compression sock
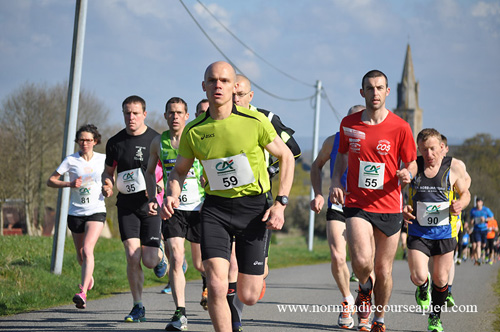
pixel 182 310
pixel 231 294
pixel 439 295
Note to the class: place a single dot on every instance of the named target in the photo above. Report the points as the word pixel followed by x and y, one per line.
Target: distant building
pixel 407 107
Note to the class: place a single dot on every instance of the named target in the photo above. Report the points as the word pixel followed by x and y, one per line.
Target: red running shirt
pixel 375 153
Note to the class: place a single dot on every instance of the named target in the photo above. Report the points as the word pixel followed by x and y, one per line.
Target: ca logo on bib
pixel 229 172
pixel 433 213
pixel 131 181
pixel 225 166
pixel 371 175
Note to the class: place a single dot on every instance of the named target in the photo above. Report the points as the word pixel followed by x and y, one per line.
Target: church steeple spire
pixel 408 88
pixel 407 107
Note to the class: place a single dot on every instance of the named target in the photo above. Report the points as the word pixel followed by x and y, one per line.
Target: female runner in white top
pixel 87 211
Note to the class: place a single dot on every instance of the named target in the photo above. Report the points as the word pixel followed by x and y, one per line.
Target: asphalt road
pixel 310 287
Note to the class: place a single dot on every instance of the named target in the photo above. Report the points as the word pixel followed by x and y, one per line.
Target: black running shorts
pixel 222 218
pixel 268 242
pixel 431 247
pixel 332 214
pixel 76 224
pixel 185 224
pixel 479 236
pixel 387 223
pixel 138 224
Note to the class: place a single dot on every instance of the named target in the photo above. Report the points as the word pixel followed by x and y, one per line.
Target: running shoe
pixel 263 291
pixel 162 267
pixel 423 297
pixel 364 324
pixel 237 327
pixel 184 266
pixel 136 315
pixel 80 299
pixel 363 304
pixel 204 299
pixel 353 278
pixel 434 324
pixel 167 289
pixel 450 301
pixel 378 327
pixel 177 323
pixel 345 320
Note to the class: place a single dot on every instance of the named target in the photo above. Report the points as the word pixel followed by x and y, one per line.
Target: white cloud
pixel 488 16
pixel 48 3
pixel 206 19
pixel 250 68
pixel 370 13
pixel 448 11
pixel 150 8
pixel 131 14
pixel 483 9
pixel 41 40
pixel 148 25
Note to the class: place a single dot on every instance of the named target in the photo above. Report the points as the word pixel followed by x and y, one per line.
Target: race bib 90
pixel 433 214
pixel 228 173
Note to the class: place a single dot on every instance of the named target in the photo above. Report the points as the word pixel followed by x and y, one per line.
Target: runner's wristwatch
pixel 282 199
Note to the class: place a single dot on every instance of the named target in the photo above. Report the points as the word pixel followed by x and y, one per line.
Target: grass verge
pixel 27 284
pixel 496 323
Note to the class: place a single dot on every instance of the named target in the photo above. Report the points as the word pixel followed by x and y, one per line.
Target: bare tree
pixel 32 120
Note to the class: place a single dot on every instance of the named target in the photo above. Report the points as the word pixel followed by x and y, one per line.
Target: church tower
pixel 407 107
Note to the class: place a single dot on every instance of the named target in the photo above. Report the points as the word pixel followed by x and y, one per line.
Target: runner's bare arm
pixel 337 191
pixel 407 214
pixel 407 173
pixel 174 185
pixel 108 180
pixel 275 215
pixel 151 174
pixel 468 180
pixel 54 182
pixel 461 184
pixel 316 167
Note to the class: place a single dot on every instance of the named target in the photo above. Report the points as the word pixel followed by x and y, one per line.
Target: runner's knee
pixel 338 257
pixel 418 278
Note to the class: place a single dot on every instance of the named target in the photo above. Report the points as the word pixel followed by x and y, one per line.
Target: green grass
pixel 27 284
pixel 496 323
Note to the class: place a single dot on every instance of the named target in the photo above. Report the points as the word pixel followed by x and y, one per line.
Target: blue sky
pixel 154 49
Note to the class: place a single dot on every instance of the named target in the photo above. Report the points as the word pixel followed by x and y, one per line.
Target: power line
pixel 251 50
pixel 337 114
pixel 234 65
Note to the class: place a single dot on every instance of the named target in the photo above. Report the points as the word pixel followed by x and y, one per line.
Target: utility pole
pixel 314 154
pixel 69 132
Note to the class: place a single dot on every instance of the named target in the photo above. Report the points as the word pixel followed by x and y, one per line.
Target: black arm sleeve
pixel 285 133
